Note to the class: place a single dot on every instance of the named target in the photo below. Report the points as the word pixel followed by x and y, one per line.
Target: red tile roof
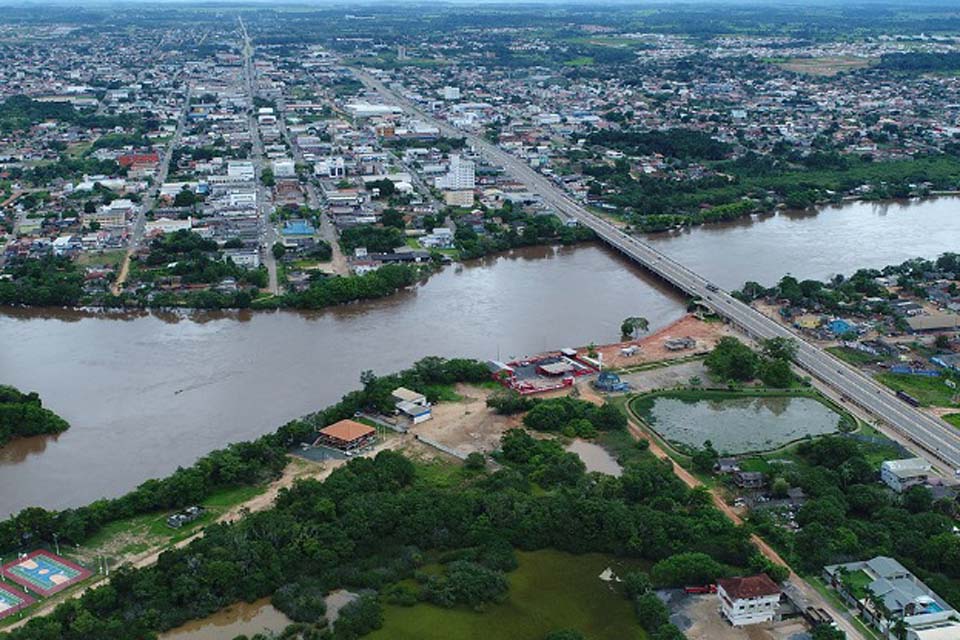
pixel 347 430
pixel 749 587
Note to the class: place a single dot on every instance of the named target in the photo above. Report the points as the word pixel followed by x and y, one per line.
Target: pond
pixel 737 425
pixel 247 618
pixel 595 457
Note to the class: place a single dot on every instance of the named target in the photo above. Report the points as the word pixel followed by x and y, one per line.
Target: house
pixel 749 479
pixel 346 435
pixel 900 475
pixel 726 465
pixel 925 614
pixel 748 600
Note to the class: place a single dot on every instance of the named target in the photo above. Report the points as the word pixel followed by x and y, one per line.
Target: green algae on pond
pixel 734 423
pixel 550 590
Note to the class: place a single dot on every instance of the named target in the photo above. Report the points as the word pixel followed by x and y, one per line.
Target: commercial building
pixel 749 600
pixel 900 475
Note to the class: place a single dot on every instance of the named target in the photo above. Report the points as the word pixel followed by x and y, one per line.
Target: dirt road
pixel 794 581
pixel 296 470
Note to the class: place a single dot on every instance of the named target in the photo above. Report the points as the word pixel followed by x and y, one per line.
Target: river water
pixel 147 393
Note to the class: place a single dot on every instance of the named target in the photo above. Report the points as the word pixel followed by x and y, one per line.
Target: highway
pixel 937 441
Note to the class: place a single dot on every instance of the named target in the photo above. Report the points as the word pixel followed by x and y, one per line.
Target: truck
pixel 909 399
pixel 707 588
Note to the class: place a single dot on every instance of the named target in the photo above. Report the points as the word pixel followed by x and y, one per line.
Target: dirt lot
pixel 665 377
pixel 700 619
pixel 651 347
pixel 468 425
pixel 826 66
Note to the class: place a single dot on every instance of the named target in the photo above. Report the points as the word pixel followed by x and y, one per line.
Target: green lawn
pixel 854 356
pixel 953 418
pixel 929 392
pixel 858 582
pixel 550 590
pixel 139 533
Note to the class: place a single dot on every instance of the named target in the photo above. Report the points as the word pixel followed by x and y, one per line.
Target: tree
pixel 686 569
pixel 392 218
pixel 185 198
pixel 776 373
pixel 779 348
pixel 475 461
pixel 564 634
pixel 278 250
pixel 826 632
pixel 630 326
pixel 704 459
pixel 732 360
pixel 942 341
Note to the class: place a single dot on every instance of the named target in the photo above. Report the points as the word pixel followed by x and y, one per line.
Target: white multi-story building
pixel 900 475
pixel 284 168
pixel 241 170
pixel 749 600
pixel 460 176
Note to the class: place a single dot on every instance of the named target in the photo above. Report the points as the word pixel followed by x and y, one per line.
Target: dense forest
pixel 23 415
pixel 686 144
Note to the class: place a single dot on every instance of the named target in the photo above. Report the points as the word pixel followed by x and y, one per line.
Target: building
pixel 900 475
pixel 458 198
pixel 284 168
pixel 749 600
pixel 925 614
pixel 460 176
pixel 412 404
pixel 749 479
pixel 346 435
pixel 168 225
pixel 241 170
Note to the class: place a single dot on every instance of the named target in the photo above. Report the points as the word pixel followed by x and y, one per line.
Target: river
pixel 147 393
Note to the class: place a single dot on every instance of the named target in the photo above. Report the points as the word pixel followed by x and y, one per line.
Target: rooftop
pixel 749 587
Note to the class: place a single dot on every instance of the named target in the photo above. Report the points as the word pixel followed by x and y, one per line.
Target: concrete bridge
pixel 939 442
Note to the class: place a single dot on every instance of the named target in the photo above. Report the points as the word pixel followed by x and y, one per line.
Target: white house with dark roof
pixel 749 600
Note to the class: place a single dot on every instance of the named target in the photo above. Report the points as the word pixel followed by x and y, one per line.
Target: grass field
pixel 854 356
pixel 826 66
pixel 104 259
pixel 140 533
pixel 929 392
pixel 953 419
pixel 550 590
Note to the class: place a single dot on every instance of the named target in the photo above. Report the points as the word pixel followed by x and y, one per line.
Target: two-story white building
pixel 900 475
pixel 749 600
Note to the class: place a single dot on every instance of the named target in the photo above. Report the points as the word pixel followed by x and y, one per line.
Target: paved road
pixel 268 233
pixel 140 221
pixel 338 261
pixel 937 441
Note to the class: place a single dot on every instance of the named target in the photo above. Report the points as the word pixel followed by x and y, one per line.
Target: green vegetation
pixel 47 282
pixel 854 356
pixel 238 466
pixel 23 415
pixel 850 515
pixel 327 291
pixel 674 143
pixel 373 524
pixel 733 361
pixel 928 391
pixel 754 183
pixel 550 590
pixel 952 418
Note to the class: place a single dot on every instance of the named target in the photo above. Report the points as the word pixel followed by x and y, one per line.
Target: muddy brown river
pixel 148 393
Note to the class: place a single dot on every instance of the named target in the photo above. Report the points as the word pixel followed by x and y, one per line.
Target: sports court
pixel 44 572
pixel 11 601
